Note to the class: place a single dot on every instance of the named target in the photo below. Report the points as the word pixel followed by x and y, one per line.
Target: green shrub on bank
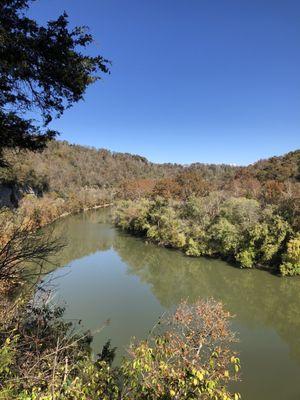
pixel 236 229
pixel 166 227
pixel 291 259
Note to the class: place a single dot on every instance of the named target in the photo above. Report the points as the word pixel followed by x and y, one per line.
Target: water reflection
pixel 255 297
pixel 82 235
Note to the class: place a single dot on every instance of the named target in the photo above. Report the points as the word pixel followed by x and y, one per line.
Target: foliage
pixel 237 229
pixel 266 239
pixel 291 259
pixel 241 211
pixel 191 183
pixel 168 188
pixel 66 168
pixel 135 217
pixel 41 69
pixel 135 188
pixel 280 168
pixel 164 225
pixel 225 238
pixel 43 357
pixel 191 359
pixel 21 245
pixel 73 172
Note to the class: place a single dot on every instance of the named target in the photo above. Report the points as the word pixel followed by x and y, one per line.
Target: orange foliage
pixel 273 191
pixel 136 189
pixel 167 188
pixel 192 183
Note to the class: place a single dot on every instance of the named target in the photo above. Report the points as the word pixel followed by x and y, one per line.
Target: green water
pixel 106 274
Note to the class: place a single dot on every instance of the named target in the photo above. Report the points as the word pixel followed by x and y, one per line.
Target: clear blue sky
pixel 191 80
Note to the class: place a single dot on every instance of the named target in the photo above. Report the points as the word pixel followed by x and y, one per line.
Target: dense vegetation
pixel 248 215
pixel 42 357
pixel 66 178
pixel 236 229
pixel 64 170
pixel 251 217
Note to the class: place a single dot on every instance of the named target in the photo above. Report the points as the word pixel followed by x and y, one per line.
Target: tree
pixel 136 188
pixel 167 188
pixel 291 259
pixel 192 183
pixel 41 71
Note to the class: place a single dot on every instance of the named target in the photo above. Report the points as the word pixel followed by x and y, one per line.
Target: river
pixel 104 274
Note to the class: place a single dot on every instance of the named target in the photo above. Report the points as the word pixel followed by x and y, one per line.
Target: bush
pixel 225 237
pixel 191 359
pixel 246 258
pixel 291 259
pixel 165 226
pixel 42 358
pixel 133 216
pixel 241 211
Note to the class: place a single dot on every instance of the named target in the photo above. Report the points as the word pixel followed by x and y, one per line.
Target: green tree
pixel 42 71
pixel 291 259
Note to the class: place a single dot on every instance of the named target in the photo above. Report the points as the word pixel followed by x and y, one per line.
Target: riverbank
pixel 44 210
pixel 238 230
pixel 22 242
pixel 66 214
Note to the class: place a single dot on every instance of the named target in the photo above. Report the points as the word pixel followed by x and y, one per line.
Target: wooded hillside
pixel 64 168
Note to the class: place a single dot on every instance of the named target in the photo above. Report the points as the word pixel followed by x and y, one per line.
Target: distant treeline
pixel 64 168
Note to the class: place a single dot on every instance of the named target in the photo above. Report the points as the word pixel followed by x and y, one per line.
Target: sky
pixel 214 81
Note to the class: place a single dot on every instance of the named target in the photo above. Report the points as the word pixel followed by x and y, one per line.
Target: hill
pixel 65 167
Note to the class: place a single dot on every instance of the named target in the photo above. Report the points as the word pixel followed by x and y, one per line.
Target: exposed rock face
pixel 10 194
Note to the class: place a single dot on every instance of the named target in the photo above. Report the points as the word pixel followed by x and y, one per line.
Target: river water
pixel 104 274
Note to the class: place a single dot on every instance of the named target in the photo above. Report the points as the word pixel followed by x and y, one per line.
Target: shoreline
pixel 66 214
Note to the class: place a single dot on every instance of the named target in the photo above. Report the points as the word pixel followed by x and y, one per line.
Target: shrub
pixel 291 259
pixel 41 357
pixel 246 258
pixel 225 237
pixel 191 359
pixel 165 227
pixel 241 211
pixel 133 216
